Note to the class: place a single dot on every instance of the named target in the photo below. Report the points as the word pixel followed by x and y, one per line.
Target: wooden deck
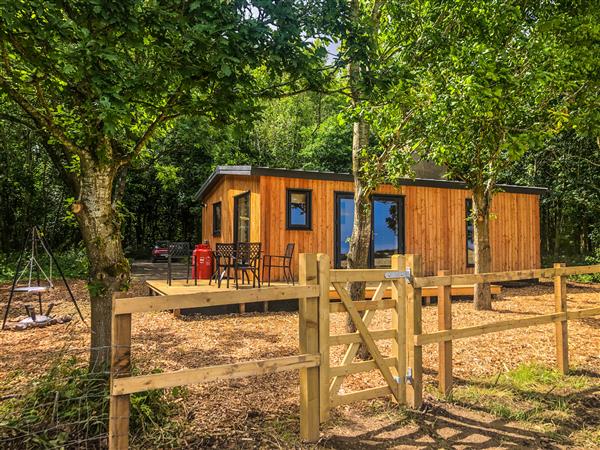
pixel 160 287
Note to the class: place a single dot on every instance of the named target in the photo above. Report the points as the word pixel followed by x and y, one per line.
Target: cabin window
pixel 216 219
pixel 470 233
pixel 299 209
pixel 241 217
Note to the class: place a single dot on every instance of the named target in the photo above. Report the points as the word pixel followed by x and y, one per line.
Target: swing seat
pixel 32 289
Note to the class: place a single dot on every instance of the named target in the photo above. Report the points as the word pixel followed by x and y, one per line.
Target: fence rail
pixel 140 383
pixel 206 299
pixel 505 325
pixel 495 277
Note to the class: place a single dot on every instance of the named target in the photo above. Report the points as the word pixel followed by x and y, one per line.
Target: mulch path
pixel 263 411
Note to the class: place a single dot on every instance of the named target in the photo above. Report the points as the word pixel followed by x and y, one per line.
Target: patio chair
pixel 283 262
pixel 247 259
pixel 224 257
pixel 178 250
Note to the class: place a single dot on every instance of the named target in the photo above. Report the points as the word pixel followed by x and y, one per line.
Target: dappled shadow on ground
pixel 442 426
pixel 562 411
pixel 580 408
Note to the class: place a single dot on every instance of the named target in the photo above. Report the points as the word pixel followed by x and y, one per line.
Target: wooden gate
pixel 400 300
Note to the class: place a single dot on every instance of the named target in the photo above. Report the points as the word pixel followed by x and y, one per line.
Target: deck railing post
pixel 414 353
pixel 561 333
pixel 324 268
pixel 120 366
pixel 308 308
pixel 445 348
pixel 399 326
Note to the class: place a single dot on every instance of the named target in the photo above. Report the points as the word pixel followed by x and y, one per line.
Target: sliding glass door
pixel 387 228
pixel 241 217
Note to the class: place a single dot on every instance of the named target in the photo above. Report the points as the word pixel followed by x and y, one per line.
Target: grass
pixel 542 399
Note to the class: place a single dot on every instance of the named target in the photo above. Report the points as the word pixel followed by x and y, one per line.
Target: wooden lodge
pixel 314 210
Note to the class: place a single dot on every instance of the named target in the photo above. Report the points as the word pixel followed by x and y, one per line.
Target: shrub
pixel 73 262
pixel 67 407
pixel 590 277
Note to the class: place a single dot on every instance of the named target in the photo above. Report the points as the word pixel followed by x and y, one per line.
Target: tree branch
pixel 160 118
pixel 40 119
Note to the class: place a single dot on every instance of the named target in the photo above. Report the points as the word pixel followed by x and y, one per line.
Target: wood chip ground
pixel 263 411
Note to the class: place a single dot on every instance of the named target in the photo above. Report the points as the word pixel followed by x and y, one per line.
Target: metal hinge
pixel 394 275
pixel 408 379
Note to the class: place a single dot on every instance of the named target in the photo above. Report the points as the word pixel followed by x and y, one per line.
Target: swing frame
pixel 36 236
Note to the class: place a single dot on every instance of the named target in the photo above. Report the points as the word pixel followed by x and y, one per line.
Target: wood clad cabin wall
pixel 435 224
pixel 225 190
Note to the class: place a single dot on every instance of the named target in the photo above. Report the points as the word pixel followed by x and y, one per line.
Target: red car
pixel 160 251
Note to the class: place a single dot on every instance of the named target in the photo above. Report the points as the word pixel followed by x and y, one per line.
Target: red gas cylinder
pixel 203 261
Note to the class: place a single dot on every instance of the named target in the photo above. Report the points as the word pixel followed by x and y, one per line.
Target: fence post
pixel 120 366
pixel 324 267
pixel 399 325
pixel 560 301
pixel 309 343
pixel 414 353
pixel 445 348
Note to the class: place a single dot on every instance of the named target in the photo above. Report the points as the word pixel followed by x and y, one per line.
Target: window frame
pixel 216 231
pixel 236 223
pixel 469 206
pixel 401 224
pixel 349 195
pixel 307 226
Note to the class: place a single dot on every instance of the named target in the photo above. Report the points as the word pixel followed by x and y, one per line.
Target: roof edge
pixel 221 171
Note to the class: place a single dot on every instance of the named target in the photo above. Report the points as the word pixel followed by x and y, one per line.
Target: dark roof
pixel 222 171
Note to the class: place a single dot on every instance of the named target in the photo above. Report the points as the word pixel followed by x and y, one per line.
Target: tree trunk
pixel 109 270
pixel 360 240
pixel 482 299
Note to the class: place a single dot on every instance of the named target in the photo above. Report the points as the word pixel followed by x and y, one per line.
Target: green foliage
pixel 73 262
pixel 590 277
pixel 68 408
pixel 486 96
pixel 329 148
pixel 105 75
pixel 576 31
pixel 570 220
pixel 30 192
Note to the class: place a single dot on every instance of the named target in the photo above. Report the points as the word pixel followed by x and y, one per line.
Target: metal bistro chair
pixel 224 261
pixel 178 250
pixel 283 262
pixel 247 259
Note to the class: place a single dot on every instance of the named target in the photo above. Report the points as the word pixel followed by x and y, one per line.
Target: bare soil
pixel 263 411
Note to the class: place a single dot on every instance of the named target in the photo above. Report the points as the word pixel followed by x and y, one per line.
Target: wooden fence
pixel 447 333
pixel 319 381
pixel 123 384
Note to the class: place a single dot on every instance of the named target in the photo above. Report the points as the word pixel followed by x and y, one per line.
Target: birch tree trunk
pixel 483 251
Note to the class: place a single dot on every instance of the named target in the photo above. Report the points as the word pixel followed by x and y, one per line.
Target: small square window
pixel 299 209
pixel 216 219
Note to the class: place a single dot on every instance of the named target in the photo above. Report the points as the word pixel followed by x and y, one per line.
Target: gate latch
pixel 409 376
pixel 407 275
